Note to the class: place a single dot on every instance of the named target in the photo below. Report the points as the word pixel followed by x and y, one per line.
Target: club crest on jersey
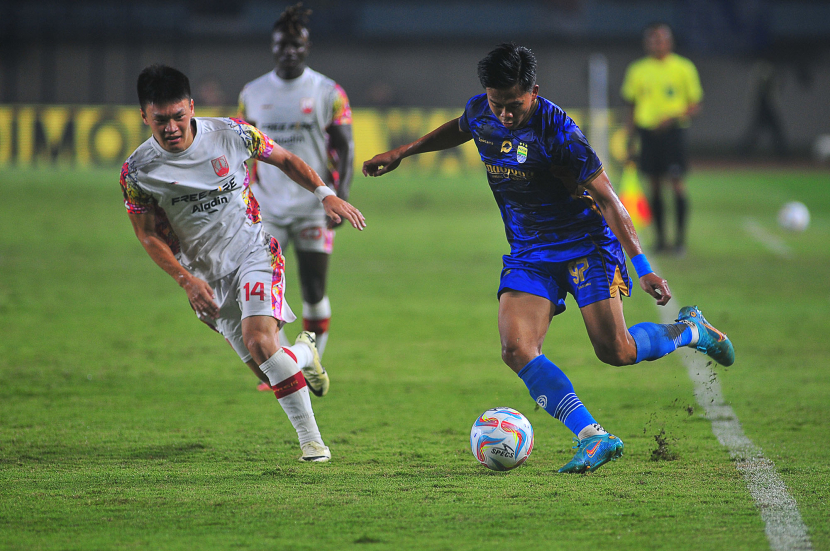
pixel 521 152
pixel 220 166
pixel 307 105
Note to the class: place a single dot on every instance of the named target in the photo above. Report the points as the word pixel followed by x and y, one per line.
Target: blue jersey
pixel 535 172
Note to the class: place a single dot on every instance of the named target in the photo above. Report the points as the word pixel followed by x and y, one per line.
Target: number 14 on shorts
pixel 258 290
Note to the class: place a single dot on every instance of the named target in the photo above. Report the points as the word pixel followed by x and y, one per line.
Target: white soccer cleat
pixel 315 375
pixel 315 452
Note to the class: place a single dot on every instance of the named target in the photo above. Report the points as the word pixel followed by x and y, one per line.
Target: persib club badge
pixel 521 152
pixel 220 166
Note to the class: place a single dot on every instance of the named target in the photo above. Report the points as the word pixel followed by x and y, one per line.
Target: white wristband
pixel 323 191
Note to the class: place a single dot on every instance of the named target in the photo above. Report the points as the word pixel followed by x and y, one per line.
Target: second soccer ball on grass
pixel 794 216
pixel 501 438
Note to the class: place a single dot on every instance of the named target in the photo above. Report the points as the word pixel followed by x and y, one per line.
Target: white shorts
pixel 256 288
pixel 308 233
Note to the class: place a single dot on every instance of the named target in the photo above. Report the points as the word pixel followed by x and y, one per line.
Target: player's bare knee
pixel 259 344
pixel 507 356
pixel 515 355
pixel 615 355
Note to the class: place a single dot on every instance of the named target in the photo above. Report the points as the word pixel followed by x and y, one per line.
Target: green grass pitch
pixel 126 424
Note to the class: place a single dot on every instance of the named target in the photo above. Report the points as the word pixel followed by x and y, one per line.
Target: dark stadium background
pixel 424 53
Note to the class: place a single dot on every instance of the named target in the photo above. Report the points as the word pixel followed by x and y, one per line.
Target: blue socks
pixel 655 340
pixel 553 391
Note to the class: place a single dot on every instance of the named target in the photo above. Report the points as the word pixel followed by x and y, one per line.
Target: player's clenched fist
pixel 381 164
pixel 657 287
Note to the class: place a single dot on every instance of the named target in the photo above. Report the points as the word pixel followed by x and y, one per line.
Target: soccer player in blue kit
pixel 568 233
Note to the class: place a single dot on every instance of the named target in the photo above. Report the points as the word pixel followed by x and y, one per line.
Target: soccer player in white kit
pixel 309 115
pixel 187 195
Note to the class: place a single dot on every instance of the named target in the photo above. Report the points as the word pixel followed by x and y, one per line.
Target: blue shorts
pixel 600 275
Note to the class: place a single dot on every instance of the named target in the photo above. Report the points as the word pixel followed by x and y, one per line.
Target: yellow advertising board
pixel 84 136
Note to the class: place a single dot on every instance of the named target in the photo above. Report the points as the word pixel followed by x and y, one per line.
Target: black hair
pixel 507 66
pixel 654 25
pixel 293 20
pixel 161 85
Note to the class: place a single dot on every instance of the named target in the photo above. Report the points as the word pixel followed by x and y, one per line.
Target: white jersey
pixel 200 196
pixel 295 114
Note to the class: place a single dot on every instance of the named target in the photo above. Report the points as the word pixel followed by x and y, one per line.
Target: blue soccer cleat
pixel 711 342
pixel 594 452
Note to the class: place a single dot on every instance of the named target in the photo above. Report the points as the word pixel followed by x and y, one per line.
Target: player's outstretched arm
pixel 446 136
pixel 295 168
pixel 198 291
pixel 620 223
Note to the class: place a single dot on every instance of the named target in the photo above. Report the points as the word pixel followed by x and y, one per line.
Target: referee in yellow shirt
pixel 664 92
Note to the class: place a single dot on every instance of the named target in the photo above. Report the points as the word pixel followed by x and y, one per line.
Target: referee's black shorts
pixel 663 152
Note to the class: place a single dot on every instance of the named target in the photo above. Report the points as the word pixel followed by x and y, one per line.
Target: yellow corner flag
pixel 632 196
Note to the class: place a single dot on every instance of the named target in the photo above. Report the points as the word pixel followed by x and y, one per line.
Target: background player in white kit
pixel 309 115
pixel 187 196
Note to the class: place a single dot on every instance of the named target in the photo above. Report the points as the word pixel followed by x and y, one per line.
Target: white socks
pixel 695 332
pixel 316 319
pixel 279 367
pixel 302 353
pixel 283 372
pixel 298 408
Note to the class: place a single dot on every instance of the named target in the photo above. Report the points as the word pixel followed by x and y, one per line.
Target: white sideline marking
pixel 783 525
pixel 772 242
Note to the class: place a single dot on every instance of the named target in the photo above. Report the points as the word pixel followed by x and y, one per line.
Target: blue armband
pixel 641 265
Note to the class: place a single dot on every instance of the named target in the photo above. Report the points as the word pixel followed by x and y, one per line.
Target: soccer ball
pixel 501 439
pixel 794 216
